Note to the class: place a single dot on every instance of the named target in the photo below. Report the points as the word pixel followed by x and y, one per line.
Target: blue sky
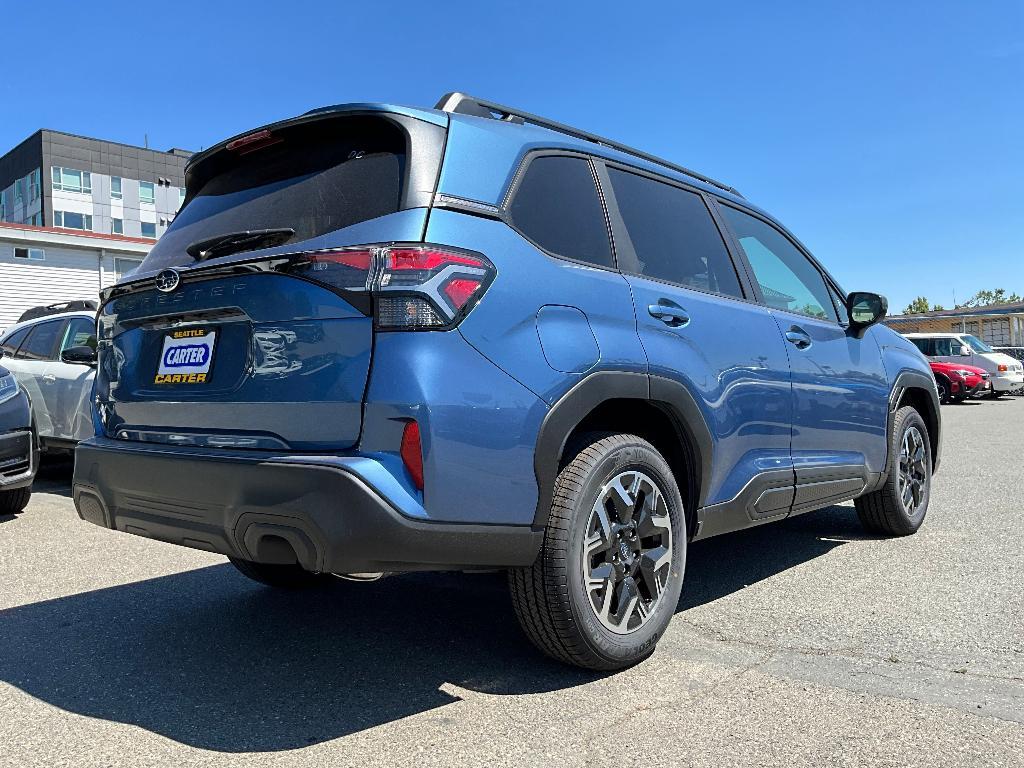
pixel 888 136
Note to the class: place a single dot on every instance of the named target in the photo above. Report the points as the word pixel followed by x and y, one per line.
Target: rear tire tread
pixel 540 592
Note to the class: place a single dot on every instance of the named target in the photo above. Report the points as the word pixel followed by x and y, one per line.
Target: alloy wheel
pixel 913 478
pixel 627 555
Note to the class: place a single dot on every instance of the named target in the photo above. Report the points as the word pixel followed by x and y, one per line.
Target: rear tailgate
pixel 232 351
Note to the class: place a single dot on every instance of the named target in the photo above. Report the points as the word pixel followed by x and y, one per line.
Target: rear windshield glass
pixel 313 178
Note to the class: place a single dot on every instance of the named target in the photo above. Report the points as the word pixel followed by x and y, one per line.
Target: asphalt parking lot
pixel 803 643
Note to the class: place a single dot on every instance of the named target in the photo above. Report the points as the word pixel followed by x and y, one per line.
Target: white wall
pixel 66 274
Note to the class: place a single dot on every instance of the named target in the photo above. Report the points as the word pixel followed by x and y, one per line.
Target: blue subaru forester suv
pixel 378 339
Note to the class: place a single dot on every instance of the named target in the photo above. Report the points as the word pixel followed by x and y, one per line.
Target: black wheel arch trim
pixel 905 380
pixel 670 396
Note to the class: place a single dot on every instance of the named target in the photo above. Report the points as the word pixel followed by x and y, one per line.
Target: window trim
pixel 620 233
pixel 825 276
pixel 505 214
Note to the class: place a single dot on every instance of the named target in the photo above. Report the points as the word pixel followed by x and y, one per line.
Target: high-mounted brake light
pixel 414 288
pixel 253 141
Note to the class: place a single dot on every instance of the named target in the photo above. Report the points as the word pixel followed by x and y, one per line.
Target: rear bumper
pixel 320 511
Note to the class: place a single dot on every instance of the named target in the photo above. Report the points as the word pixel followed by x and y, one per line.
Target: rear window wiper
pixel 236 242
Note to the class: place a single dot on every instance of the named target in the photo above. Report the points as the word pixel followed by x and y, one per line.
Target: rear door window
pixel 41 343
pixel 557 207
pixel 927 346
pixel 673 234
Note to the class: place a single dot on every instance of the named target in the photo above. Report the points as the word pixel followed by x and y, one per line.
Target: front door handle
pixel 798 337
pixel 49 378
pixel 670 314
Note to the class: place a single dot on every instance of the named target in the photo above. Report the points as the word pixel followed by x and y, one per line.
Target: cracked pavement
pixel 804 643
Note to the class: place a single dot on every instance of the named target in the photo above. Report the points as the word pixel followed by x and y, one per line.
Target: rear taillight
pixel 414 288
pixel 1003 368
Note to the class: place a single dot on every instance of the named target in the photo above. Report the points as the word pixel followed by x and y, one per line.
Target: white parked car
pixel 1007 373
pixel 53 358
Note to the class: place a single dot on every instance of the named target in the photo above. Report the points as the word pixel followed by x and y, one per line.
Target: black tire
pixel 13 502
pixel 943 387
pixel 551 599
pixel 884 511
pixel 292 576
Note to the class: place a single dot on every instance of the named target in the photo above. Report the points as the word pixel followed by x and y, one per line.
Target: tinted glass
pixel 12 342
pixel 926 346
pixel 787 278
pixel 673 234
pixel 556 206
pixel 42 341
pixel 318 178
pixel 80 333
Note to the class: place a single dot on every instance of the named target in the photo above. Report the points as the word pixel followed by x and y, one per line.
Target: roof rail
pixel 76 305
pixel 464 104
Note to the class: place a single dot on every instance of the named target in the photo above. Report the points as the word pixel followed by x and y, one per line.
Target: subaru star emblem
pixel 167 280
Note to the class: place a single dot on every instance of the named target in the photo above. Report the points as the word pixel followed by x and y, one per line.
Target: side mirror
pixel 865 309
pixel 83 355
pixel 965 351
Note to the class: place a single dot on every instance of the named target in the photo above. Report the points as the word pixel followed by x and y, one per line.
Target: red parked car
pixel 957 382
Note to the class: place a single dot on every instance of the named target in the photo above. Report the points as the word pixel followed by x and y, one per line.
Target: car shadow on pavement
pixel 212 660
pixel 725 564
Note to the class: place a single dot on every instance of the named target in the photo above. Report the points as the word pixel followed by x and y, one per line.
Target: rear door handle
pixel 670 314
pixel 798 337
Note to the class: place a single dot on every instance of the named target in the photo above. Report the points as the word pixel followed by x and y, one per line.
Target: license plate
pixel 186 357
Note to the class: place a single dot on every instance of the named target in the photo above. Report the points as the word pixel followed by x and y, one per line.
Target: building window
pixel 124 266
pixel 70 220
pixel 33 185
pixel 19 191
pixel 70 180
pixel 115 187
pixel 117 226
pixel 146 192
pixel 149 229
pixel 181 197
pixel 32 254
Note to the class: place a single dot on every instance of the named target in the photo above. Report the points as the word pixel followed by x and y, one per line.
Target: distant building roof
pixel 992 309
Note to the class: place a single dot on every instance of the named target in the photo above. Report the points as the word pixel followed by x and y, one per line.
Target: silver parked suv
pixel 53 359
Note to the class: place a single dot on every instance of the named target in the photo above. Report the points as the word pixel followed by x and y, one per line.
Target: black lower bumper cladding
pixel 324 517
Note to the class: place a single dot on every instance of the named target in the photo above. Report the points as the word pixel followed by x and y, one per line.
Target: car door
pixel 700 328
pixel 840 389
pixel 72 410
pixel 33 366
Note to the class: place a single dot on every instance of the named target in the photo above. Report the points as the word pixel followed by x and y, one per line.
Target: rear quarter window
pixel 556 205
pixel 11 343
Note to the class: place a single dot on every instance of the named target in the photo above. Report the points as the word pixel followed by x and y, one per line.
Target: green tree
pixel 988 298
pixel 918 305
